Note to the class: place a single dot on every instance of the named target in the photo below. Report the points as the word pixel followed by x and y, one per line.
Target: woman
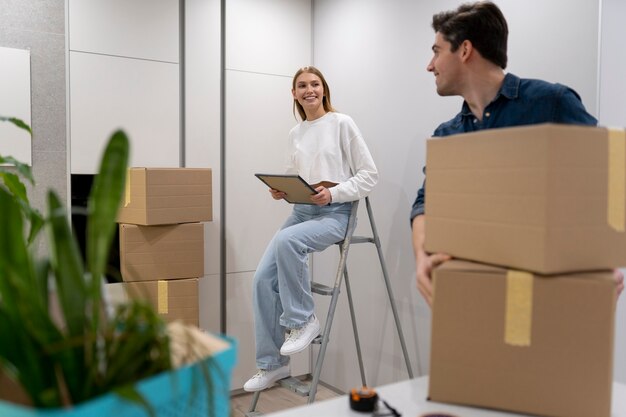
pixel 327 150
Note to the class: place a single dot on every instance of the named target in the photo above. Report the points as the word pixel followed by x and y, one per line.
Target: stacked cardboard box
pixel 546 204
pixel 162 238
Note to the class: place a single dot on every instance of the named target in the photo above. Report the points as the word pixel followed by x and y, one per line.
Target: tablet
pixel 297 189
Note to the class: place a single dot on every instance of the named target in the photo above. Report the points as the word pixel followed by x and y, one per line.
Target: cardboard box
pixel 531 344
pixel 150 253
pixel 172 299
pixel 167 196
pixel 545 198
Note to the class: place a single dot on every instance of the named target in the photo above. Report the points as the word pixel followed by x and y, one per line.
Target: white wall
pixel 374 55
pixel 202 135
pixel 124 73
pixel 15 83
pixel 612 98
pixel 266 42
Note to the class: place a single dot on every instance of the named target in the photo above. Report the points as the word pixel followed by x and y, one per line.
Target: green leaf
pixel 71 289
pixel 68 268
pixel 140 347
pixel 17 122
pixel 104 202
pixel 13 250
pixel 23 169
pixel 24 359
pixel 36 223
pixel 16 187
pixel 85 355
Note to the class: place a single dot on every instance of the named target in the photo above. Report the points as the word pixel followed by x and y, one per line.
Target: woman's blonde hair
pixel 325 100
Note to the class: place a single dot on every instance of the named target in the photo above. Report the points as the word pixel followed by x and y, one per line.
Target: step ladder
pixel 310 388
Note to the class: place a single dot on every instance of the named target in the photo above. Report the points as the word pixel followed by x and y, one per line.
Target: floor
pixel 275 399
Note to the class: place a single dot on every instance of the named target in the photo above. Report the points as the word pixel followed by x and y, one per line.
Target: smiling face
pixel 309 92
pixel 446 66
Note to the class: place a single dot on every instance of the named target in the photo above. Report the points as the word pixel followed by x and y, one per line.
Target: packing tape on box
pixel 162 303
pixel 617 179
pixel 127 189
pixel 519 308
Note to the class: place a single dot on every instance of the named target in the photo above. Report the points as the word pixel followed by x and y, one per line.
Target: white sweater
pixel 332 148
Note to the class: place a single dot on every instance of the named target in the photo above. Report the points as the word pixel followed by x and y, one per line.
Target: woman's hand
pixel 322 197
pixel 277 195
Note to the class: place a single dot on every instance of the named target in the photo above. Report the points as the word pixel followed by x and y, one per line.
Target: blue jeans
pixel 282 288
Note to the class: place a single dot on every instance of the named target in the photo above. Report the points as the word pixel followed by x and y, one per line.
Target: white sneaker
pixel 264 379
pixel 299 339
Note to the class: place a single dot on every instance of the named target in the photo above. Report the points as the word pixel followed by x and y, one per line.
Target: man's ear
pixel 467 49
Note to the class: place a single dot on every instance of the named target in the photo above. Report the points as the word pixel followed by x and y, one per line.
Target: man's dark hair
pixel 481 23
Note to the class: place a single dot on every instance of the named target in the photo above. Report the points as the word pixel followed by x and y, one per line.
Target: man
pixel 470 55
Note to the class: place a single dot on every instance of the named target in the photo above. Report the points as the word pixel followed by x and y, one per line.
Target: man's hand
pixel 619 280
pixel 425 265
pixel 424 262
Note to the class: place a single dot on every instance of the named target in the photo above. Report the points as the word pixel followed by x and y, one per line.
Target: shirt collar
pixel 508 89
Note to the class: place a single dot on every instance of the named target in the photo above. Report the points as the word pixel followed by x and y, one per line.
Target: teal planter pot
pixel 184 392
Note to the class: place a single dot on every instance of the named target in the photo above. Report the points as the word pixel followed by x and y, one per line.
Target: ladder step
pixel 295 385
pixel 321 289
pixel 254 414
pixel 317 340
pixel 362 239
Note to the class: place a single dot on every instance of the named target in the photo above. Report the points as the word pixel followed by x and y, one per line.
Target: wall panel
pixel 15 83
pixel 268 36
pixel 612 99
pixel 141 97
pixel 374 55
pixel 202 112
pixel 266 42
pixel 146 29
pixel 258 121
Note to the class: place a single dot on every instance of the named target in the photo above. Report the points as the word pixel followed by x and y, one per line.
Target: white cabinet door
pixel 144 29
pixel 15 102
pixel 141 97
pixel 258 121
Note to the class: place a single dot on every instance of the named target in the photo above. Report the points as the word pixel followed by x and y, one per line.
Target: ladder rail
pixel 342 273
pixel 392 302
pixel 344 248
pixel 354 328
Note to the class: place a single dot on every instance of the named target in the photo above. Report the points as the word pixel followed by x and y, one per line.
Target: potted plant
pixel 68 355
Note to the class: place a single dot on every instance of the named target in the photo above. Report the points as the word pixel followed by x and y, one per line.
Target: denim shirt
pixel 518 102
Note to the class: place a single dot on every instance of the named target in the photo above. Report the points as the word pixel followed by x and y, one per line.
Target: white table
pixel 409 399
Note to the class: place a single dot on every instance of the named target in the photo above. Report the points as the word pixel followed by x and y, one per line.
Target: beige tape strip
pixel 519 308
pixel 162 304
pixel 127 190
pixel 617 179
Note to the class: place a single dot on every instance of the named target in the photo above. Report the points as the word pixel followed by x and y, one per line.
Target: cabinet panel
pixel 145 29
pixel 268 36
pixel 240 325
pixel 141 97
pixel 209 300
pixel 15 83
pixel 258 122
pixel 202 108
